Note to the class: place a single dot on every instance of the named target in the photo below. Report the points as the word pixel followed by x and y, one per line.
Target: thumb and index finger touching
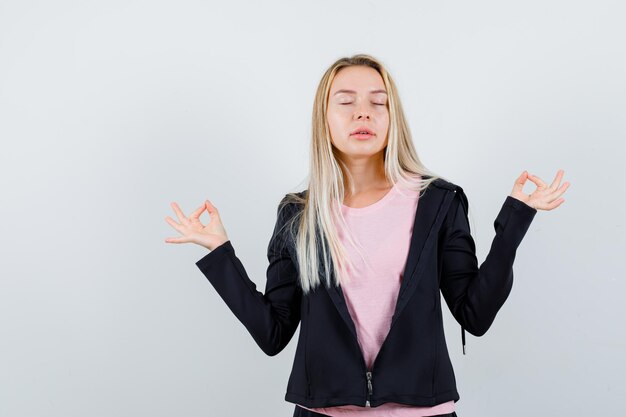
pixel 193 217
pixel 520 181
pixel 210 208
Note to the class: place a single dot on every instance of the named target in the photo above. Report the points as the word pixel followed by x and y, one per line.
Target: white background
pixel 110 110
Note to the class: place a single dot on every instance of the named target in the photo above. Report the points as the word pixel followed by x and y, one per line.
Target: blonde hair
pixel 318 248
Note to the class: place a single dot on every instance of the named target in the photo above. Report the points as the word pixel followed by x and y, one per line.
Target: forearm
pixel 270 318
pixel 475 294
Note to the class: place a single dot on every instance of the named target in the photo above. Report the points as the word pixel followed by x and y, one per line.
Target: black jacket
pixel 413 366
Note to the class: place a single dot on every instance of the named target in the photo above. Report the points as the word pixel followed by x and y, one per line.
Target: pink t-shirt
pixel 384 230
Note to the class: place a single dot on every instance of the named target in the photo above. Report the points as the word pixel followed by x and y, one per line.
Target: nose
pixel 361 110
pixel 361 114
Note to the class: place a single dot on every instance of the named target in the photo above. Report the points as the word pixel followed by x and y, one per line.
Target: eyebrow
pixel 354 92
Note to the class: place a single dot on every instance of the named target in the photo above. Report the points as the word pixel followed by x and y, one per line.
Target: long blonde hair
pixel 318 249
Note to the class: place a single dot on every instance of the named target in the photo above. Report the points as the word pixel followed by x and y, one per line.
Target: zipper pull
pixel 369 388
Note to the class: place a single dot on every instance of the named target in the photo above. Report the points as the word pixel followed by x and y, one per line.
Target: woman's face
pixel 357 101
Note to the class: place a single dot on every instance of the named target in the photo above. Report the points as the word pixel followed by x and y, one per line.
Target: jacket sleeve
pixel 271 318
pixel 475 295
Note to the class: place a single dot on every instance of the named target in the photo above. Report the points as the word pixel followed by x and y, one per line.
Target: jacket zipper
pixel 368 374
pixel 306 363
pixel 463 338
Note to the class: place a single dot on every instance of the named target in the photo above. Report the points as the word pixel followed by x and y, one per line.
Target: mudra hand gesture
pixel 544 197
pixel 192 230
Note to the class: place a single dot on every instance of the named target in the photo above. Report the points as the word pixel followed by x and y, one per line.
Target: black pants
pixel 303 412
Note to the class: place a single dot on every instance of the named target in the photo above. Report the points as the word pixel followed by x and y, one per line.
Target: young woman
pixel 360 257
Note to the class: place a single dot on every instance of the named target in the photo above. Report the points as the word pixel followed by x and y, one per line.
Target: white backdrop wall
pixel 110 110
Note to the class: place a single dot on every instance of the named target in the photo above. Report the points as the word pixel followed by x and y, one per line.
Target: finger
pixel 211 209
pixel 555 203
pixel 557 193
pixel 557 180
pixel 536 180
pixel 196 214
pixel 521 180
pixel 179 213
pixel 174 224
pixel 177 240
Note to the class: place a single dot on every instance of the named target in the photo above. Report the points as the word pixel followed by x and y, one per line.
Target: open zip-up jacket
pixel 413 366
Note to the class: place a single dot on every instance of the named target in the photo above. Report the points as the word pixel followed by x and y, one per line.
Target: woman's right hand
pixel 192 230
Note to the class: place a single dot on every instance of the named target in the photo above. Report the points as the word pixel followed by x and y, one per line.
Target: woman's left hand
pixel 544 197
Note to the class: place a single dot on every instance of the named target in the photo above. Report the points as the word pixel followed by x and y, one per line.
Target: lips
pixel 361 130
